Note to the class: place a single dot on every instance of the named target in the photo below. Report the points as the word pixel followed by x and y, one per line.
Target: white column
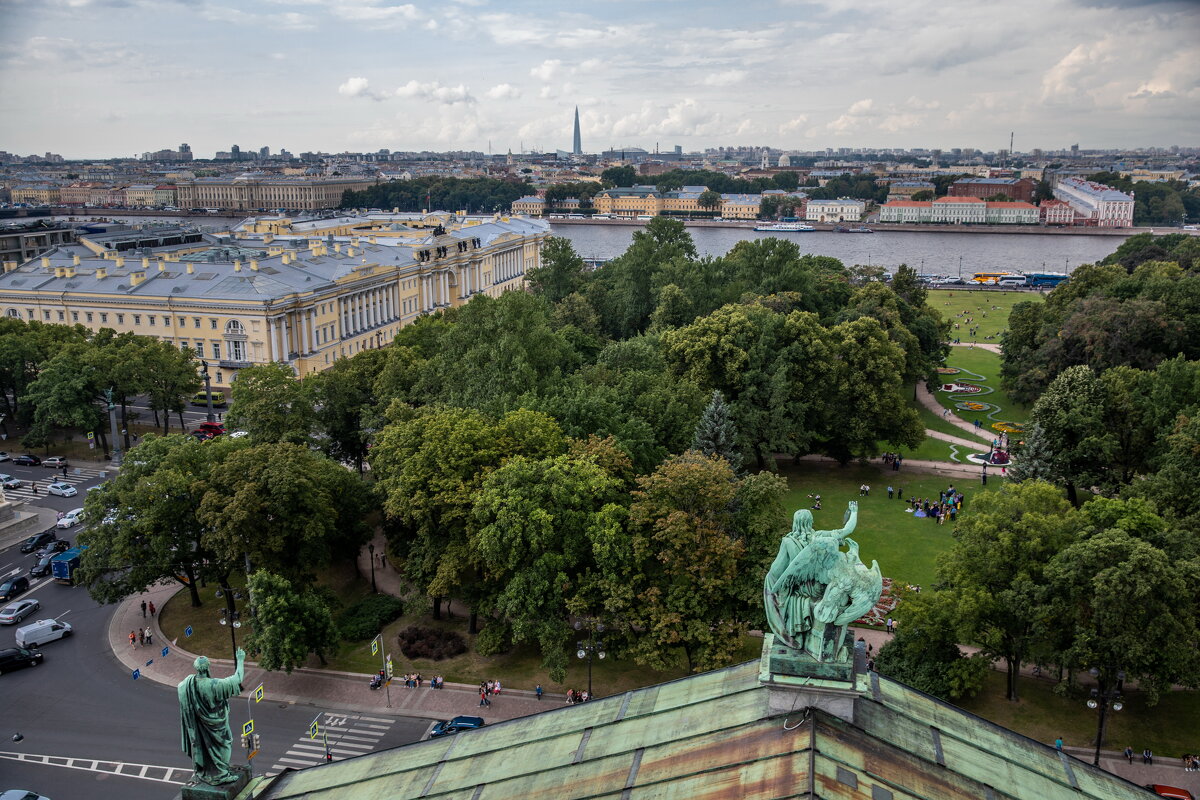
pixel 270 339
pixel 345 318
pixel 309 325
pixel 377 317
pixel 281 339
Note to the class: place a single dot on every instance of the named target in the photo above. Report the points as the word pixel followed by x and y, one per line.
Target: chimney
pixel 162 265
pixel 254 265
pixel 372 240
pixel 75 260
pixel 101 273
pixel 191 268
pixel 350 251
pixel 137 277
pixel 337 248
pixel 9 266
pixel 68 272
pixel 145 262
pixel 60 272
pixel 45 261
pixel 237 265
pixel 120 261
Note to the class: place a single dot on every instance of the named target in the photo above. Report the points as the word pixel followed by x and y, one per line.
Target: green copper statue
pixel 204 716
pixel 814 590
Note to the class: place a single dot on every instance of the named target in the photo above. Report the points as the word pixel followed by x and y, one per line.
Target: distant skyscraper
pixel 577 148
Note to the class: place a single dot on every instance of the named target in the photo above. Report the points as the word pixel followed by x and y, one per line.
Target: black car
pixel 455 725
pixel 13 588
pixel 52 548
pixel 27 460
pixel 38 541
pixel 42 568
pixel 17 657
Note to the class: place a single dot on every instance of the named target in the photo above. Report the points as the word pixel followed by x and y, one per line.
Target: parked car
pixel 13 588
pixel 17 657
pixel 21 794
pixel 61 489
pixel 56 462
pixel 15 612
pixel 71 518
pixel 1173 792
pixel 50 548
pixel 455 725
pixel 44 630
pixel 27 460
pixel 38 541
pixel 42 568
pixel 4 456
pixel 9 482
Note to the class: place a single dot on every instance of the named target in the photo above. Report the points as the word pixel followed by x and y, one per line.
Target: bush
pixel 433 644
pixel 494 639
pixel 366 618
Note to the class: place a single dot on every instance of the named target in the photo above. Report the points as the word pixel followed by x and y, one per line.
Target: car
pixel 13 588
pixel 71 518
pixel 461 723
pixel 27 460
pixel 42 568
pixel 15 612
pixel 38 540
pixel 61 489
pixel 98 486
pixel 214 428
pixel 55 462
pixel 21 794
pixel 9 482
pixel 1173 792
pixel 53 548
pixel 14 658
pixel 44 630
pixel 4 456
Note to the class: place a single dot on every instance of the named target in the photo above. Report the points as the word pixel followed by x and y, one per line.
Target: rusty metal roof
pixel 713 736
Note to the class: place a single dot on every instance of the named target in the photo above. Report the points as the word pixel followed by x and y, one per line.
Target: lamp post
pixel 1103 698
pixel 591 647
pixel 207 390
pixel 231 616
pixel 371 550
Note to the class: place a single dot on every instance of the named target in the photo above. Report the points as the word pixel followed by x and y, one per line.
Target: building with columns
pixel 306 295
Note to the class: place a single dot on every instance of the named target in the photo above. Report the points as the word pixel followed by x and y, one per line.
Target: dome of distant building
pixel 785 161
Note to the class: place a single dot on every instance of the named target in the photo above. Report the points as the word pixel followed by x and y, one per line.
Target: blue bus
pixel 1050 279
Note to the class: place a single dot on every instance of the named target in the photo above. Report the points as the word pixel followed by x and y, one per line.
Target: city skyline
pixel 105 78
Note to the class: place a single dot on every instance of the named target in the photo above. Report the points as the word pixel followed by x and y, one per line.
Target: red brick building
pixel 1020 189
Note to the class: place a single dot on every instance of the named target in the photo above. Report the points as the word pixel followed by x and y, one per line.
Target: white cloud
pixel 358 87
pixel 793 125
pixel 727 78
pixel 436 92
pixel 503 91
pixel 547 69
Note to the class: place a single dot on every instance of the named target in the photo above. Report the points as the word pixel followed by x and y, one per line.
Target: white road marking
pixel 108 767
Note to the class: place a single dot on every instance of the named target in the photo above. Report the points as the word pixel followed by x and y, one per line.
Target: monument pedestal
pixel 226 791
pixel 795 680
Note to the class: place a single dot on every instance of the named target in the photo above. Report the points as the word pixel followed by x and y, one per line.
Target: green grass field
pixel 975 304
pixel 986 363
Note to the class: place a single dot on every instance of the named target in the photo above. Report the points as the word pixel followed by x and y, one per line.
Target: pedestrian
pixel 132 639
pixel 1129 753
pixel 983 476
pixel 34 484
pixel 538 691
pixel 483 701
pixel 383 559
pixel 1058 744
pixel 152 608
pixel 889 624
pixel 1148 756
pixel 866 490
pixel 496 688
pixel 64 470
pixel 570 696
pixel 149 635
pixel 890 492
pixel 143 609
pixel 899 492
pixel 141 636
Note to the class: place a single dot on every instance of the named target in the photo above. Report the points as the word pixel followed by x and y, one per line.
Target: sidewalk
pixel 926 398
pixel 320 688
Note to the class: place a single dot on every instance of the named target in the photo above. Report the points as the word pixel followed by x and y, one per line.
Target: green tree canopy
pixel 271 405
pixel 289 623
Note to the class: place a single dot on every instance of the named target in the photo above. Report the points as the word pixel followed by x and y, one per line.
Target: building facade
pixel 1095 204
pixel 1015 188
pixel 41 194
pixel 253 193
pixel 629 201
pixel 904 190
pixel 305 295
pixel 21 242
pixel 1056 212
pixel 959 211
pixel 844 209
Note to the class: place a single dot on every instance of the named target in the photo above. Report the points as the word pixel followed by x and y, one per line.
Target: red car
pixel 1173 792
pixel 208 430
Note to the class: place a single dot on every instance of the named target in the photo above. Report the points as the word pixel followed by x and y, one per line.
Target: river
pixel 936 253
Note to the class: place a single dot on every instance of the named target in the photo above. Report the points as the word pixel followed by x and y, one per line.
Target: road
pixel 91 730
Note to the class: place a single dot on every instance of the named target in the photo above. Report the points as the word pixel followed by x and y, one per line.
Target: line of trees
pixel 476 195
pixel 1155 202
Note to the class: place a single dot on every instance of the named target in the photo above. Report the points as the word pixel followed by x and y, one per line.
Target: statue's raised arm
pixel 850 521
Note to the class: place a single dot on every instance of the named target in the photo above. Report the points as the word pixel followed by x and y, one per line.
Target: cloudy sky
pixel 91 78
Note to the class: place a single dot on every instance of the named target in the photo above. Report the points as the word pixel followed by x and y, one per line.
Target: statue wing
pixel 865 591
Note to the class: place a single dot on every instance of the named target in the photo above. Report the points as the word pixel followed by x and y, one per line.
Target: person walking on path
pixel 890 492
pixel 141 636
pixel 152 608
pixel 149 636
pixel 143 609
pixel 538 691
pixel 132 639
pixel 1058 744
pixel 34 487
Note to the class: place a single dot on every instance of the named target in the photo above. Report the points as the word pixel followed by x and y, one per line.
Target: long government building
pixel 300 291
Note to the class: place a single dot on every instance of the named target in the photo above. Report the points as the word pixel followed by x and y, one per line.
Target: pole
pixel 208 393
pixel 371 552
pixel 112 422
pixel 1100 729
pixel 589 670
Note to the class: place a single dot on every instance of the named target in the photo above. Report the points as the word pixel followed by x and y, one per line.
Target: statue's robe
pixel 204 718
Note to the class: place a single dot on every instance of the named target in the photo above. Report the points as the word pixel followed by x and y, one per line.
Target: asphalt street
pixel 91 731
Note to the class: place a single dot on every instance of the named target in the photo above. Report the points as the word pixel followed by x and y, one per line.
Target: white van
pixel 42 631
pixel 1018 280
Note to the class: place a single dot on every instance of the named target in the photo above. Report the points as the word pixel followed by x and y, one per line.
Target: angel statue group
pixel 814 589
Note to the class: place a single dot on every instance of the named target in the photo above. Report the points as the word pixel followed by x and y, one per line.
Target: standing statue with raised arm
pixel 800 608
pixel 204 718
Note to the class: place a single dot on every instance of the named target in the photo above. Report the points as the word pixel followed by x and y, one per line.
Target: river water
pixel 936 253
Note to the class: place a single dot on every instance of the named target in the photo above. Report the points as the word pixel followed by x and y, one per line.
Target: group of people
pixel 486 690
pixel 1147 755
pixel 1191 763
pixel 864 491
pixel 414 681
pixel 945 509
pixel 894 460
pixel 142 636
pixel 576 696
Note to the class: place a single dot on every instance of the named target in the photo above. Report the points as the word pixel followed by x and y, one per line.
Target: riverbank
pixel 882 227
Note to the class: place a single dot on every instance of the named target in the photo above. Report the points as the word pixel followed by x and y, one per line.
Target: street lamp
pixel 371 550
pixel 1104 698
pixel 591 647
pixel 207 390
pixel 232 617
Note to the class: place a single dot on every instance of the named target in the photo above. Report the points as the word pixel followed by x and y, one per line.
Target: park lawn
pixel 997 305
pixel 986 363
pixel 1166 728
pixel 904 546
pixel 935 422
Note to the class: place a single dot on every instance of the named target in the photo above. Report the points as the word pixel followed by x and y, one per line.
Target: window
pixel 120 319
pixel 183 346
pixel 46 315
pixel 29 313
pixel 183 322
pixel 61 316
pixel 213 323
pixel 237 351
pixel 103 317
pixel 234 328
pixel 151 318
pixel 200 349
pixel 166 322
pixel 219 378
pixel 137 319
pixel 216 350
pixel 12 313
pixel 196 321
pixel 74 316
pixel 89 316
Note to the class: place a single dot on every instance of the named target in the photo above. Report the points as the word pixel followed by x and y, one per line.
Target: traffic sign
pixel 151 661
pixel 389 666
pixel 187 631
pixel 165 650
pixel 137 673
pixel 375 644
pixel 258 694
pixel 314 729
pixel 248 728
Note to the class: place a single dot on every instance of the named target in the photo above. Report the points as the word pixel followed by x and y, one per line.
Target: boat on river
pixel 783 227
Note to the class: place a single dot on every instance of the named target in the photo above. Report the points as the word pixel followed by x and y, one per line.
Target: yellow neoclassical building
pixel 257 192
pixel 305 294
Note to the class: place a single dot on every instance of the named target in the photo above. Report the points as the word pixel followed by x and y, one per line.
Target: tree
pixel 619 176
pixel 709 200
pixel 289 623
pixel 908 286
pixel 993 575
pixel 924 196
pixel 68 393
pixel 271 405
pixel 1069 416
pixel 170 378
pixel 561 271
pixel 716 435
pixel 346 405
pixel 924 653
pixel 1043 191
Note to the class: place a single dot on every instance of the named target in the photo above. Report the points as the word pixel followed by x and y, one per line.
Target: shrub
pixel 433 644
pixel 494 639
pixel 366 618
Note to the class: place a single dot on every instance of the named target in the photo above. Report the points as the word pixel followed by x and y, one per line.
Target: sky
pixel 104 78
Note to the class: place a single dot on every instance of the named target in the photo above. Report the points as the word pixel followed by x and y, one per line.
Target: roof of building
pixel 908 204
pixel 1097 191
pixel 730 733
pixel 1000 181
pixel 530 199
pixel 632 191
pixel 841 201
pixel 741 199
pixel 1009 204
pixel 949 199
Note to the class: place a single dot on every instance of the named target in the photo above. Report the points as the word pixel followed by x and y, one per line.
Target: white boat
pixel 784 227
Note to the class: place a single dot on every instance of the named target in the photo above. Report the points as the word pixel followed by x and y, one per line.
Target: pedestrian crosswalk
pixel 340 735
pixel 75 475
